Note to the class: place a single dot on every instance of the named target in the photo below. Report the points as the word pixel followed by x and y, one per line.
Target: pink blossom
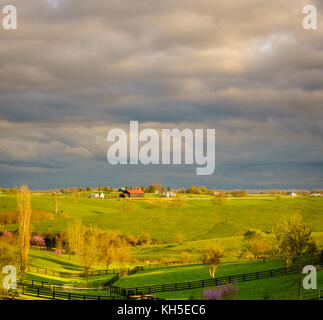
pixel 58 251
pixel 7 234
pixel 38 241
pixel 225 292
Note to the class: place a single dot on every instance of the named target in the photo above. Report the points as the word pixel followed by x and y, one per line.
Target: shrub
pixel 36 215
pixel 38 241
pixel 227 291
pixel 7 234
pixel 58 251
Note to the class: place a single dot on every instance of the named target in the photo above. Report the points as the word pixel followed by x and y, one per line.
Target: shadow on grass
pixel 66 265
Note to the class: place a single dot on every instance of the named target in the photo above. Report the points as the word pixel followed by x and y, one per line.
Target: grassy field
pixel 200 221
pixel 195 219
pixel 277 288
pixel 194 272
pixel 283 287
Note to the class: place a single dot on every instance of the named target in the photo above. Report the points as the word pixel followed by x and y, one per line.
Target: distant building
pixel 169 194
pixel 132 194
pixel 97 195
pixel 293 194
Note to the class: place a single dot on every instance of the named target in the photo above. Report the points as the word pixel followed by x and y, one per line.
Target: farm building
pixel 132 194
pixel 292 194
pixel 169 194
pixel 97 195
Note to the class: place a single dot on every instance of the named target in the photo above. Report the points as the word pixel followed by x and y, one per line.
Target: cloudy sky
pixel 75 69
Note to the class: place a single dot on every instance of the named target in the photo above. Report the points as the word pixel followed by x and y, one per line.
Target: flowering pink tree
pixel 7 234
pixel 38 241
pixel 227 291
pixel 58 251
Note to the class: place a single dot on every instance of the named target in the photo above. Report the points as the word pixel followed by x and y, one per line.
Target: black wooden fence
pixel 45 290
pixel 120 271
pixel 47 293
pixel 178 286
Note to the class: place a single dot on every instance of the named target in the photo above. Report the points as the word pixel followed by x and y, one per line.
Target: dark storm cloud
pixel 74 69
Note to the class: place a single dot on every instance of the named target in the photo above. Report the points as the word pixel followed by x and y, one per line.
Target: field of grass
pixel 195 219
pixel 200 221
pixel 276 288
pixel 194 272
pixel 283 287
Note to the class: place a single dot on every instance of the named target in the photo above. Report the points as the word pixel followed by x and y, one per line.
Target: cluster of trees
pixel 92 245
pixel 196 190
pixel 204 191
pixel 292 240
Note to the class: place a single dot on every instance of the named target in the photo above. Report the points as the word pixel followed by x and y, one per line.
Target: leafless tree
pixel 24 217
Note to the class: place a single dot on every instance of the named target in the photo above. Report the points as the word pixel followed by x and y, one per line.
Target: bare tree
pixel 293 241
pixel 112 248
pixel 125 206
pixel 74 234
pixel 89 249
pixel 83 242
pixel 56 202
pixel 258 247
pixel 211 257
pixel 24 217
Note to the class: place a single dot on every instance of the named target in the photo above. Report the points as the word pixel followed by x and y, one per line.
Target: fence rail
pixel 61 295
pixel 178 286
pixel 44 290
pixel 120 271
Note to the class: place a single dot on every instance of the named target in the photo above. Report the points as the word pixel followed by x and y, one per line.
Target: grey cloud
pixel 73 70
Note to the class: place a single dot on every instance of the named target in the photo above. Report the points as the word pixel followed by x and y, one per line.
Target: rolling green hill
pixel 195 219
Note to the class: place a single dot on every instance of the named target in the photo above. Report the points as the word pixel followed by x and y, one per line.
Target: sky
pixel 75 69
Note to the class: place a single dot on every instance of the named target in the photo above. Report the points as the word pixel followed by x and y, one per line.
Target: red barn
pixel 133 194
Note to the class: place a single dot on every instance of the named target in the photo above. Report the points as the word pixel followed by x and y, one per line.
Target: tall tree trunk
pixel 24 217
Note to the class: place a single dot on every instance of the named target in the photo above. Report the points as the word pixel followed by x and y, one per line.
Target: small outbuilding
pixel 169 194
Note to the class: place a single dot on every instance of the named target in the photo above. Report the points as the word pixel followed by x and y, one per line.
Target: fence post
pixel 69 296
pixel 257 275
pixel 53 294
pixel 37 292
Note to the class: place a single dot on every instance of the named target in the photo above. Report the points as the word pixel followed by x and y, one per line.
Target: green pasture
pixel 276 288
pixel 164 219
pixel 194 272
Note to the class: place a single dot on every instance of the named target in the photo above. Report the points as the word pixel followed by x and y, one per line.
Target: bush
pixel 38 241
pixel 37 215
pixel 227 291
